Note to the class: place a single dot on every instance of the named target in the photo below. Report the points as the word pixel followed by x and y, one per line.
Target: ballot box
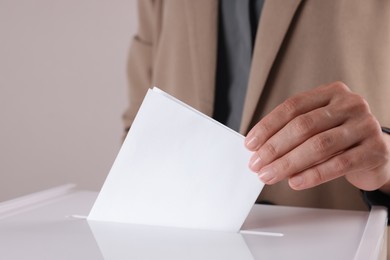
pixel 52 224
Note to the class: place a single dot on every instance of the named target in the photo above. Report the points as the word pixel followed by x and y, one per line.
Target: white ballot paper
pixel 178 168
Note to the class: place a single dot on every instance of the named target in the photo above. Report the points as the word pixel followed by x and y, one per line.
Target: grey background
pixel 62 91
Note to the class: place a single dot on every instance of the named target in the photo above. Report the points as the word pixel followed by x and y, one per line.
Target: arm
pixel 319 135
pixel 140 59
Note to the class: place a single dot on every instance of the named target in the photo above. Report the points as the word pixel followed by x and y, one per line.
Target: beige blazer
pixel 299 45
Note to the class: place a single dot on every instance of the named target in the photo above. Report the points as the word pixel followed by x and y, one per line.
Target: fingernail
pixel 296 181
pixel 266 175
pixel 252 142
pixel 255 163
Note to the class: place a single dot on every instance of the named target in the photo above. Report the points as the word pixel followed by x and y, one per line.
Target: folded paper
pixel 178 168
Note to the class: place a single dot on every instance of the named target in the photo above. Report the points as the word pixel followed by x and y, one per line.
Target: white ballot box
pixel 52 225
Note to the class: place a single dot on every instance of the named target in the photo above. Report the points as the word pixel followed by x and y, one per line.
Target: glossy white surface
pixel 49 230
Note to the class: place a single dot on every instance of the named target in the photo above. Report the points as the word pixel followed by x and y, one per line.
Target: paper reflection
pixel 127 241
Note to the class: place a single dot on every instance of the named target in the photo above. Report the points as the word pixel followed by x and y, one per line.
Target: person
pixel 306 82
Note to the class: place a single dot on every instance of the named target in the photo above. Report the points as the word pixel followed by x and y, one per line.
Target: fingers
pixel 290 109
pixel 356 164
pixel 317 136
pixel 316 149
pixel 331 169
pixel 295 133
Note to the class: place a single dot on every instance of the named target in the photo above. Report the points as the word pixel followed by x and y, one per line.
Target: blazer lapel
pixel 274 23
pixel 202 18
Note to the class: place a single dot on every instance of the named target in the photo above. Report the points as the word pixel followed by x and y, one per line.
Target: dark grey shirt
pixel 238 21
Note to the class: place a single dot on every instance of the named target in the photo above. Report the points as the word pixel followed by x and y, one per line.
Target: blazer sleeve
pixel 140 59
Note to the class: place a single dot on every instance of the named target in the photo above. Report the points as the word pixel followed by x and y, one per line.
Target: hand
pixel 320 135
